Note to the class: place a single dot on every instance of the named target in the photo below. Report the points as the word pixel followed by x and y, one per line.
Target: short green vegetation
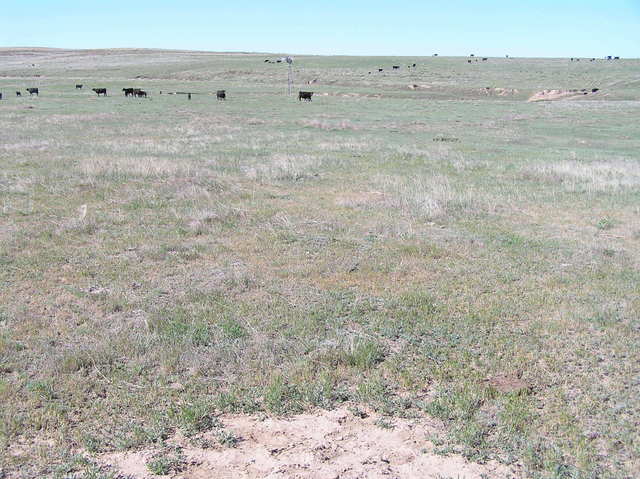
pixel 420 241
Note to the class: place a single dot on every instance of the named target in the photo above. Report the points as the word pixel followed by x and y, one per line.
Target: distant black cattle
pixel 609 57
pixel 189 96
pixel 33 91
pixel 305 95
pixel 593 90
pixel 484 59
pixel 468 61
pixel 616 58
pixel 128 91
pixel 78 87
pixel 396 67
pixel 413 65
pixel 100 91
pixel 379 69
pixel 221 95
pixel 267 60
pixel 0 96
pixel 18 93
pixel 140 93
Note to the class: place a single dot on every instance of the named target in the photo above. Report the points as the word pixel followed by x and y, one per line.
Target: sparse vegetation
pixel 162 263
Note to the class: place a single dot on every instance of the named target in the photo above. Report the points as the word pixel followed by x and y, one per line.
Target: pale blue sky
pixel 546 28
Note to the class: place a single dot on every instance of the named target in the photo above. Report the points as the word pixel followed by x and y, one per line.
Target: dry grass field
pixel 420 245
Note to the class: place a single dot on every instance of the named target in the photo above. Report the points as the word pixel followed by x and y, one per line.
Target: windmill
pixel 289 60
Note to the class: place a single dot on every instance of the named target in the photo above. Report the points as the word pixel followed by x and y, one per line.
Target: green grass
pixel 164 261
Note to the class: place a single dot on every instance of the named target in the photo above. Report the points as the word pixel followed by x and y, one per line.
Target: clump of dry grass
pixel 428 198
pixel 329 125
pixel 133 166
pixel 596 176
pixel 284 167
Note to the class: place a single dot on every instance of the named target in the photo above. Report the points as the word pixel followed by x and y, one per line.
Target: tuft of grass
pixel 196 417
pixel 605 224
pixel 166 462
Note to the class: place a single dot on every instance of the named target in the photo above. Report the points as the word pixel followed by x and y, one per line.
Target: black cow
pixel 100 91
pixel 0 96
pixel 484 59
pixel 128 91
pixel 18 93
pixel 32 91
pixel 140 93
pixel 305 95
pixel 396 67
pixel 221 95
pixel 379 70
pixel 593 90
pixel 468 61
pixel 616 58
pixel 413 65
pixel 609 57
pixel 189 96
pixel 78 87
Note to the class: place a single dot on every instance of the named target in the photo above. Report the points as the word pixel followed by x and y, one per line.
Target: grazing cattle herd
pixel 222 94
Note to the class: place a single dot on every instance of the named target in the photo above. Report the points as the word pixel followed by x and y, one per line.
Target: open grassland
pixel 409 242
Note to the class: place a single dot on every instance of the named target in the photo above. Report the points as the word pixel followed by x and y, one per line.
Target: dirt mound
pixel 500 91
pixel 329 444
pixel 551 95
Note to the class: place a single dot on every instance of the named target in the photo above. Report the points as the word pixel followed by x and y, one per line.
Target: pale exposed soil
pixel 327 444
pixel 551 95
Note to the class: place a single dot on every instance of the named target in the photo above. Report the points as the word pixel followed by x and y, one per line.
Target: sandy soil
pixel 328 444
pixel 551 95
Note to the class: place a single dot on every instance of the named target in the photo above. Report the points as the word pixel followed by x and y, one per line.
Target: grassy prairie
pixel 409 241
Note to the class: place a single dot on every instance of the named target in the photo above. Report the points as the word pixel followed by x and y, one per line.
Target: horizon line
pixel 242 52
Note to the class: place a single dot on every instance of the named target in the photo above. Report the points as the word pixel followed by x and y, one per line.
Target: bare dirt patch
pixel 552 95
pixel 328 444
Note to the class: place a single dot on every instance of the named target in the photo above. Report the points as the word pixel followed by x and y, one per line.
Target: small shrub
pixel 605 224
pixel 365 354
pixel 194 418
pixel 227 438
pixel 166 464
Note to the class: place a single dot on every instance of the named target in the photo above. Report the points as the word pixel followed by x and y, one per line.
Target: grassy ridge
pixel 164 260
